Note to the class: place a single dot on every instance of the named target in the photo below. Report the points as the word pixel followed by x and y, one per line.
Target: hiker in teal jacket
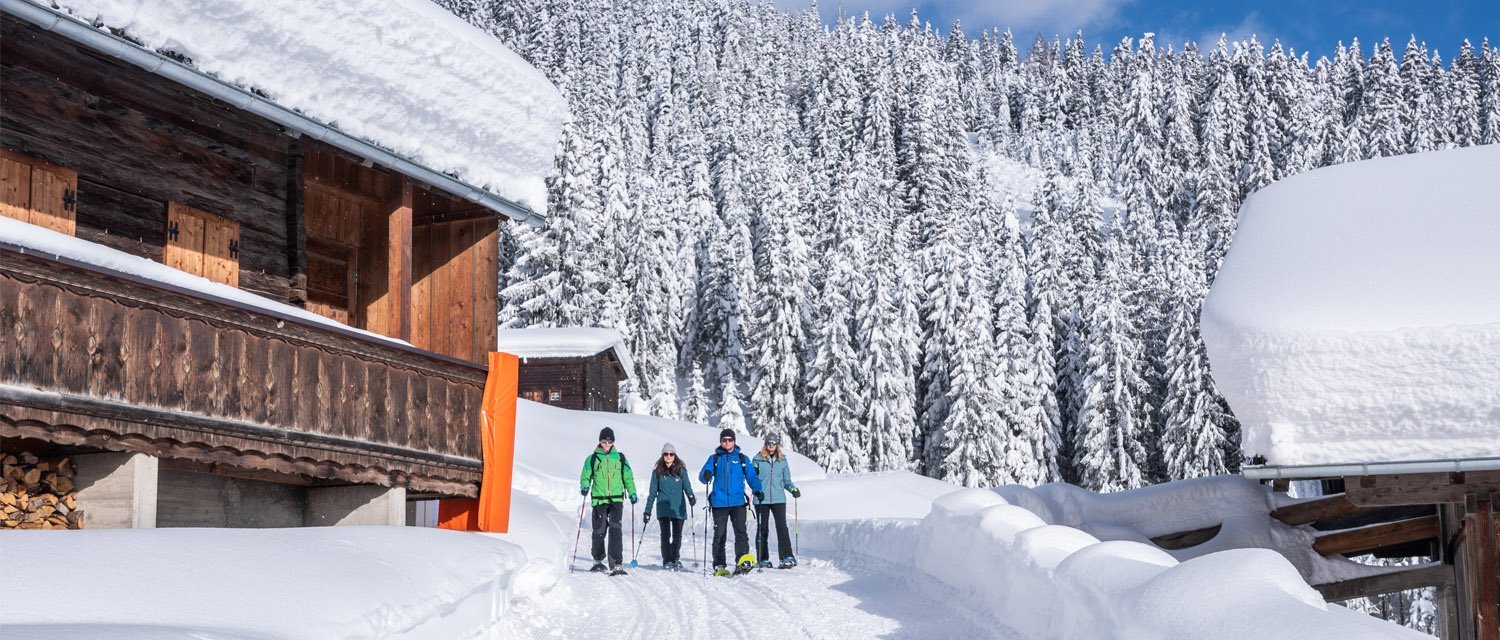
pixel 671 485
pixel 776 476
pixel 607 477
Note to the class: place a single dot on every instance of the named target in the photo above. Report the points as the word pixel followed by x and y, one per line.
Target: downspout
pixel 107 43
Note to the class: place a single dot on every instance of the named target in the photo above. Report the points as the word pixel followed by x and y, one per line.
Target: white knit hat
pixel 668 447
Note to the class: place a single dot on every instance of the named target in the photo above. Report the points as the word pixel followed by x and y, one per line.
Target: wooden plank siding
pixel 455 283
pixel 584 384
pixel 138 142
pixel 224 384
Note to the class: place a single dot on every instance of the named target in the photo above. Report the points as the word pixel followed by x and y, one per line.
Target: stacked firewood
pixel 38 493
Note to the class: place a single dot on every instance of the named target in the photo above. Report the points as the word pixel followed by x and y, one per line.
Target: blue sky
pixel 1308 25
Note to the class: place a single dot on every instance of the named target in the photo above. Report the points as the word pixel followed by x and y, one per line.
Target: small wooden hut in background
pixel 572 368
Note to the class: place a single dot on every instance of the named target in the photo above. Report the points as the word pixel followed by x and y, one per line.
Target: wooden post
pixel 1451 609
pixel 296 224
pixel 1479 560
pixel 399 217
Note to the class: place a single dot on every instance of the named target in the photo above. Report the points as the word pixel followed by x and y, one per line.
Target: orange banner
pixel 491 512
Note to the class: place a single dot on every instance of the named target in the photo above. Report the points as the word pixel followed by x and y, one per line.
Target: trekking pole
pixel 693 529
pixel 579 536
pixel 642 543
pixel 796 529
pixel 632 534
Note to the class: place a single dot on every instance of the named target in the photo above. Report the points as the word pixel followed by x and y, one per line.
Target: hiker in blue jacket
pixel 729 471
pixel 670 483
pixel 771 464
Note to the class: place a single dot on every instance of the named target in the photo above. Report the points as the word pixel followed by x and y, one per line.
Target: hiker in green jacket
pixel 606 476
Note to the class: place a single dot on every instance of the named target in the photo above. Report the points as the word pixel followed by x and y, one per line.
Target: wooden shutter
pixel 42 194
pixel 202 244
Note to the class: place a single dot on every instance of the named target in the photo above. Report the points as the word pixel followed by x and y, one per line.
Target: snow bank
pixel 323 582
pixel 50 243
pixel 1356 317
pixel 1045 580
pixel 565 342
pixel 402 74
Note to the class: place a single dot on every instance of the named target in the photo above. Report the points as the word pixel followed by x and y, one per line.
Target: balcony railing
pixel 97 358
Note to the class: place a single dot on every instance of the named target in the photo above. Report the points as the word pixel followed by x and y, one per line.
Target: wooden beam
pixel 1185 539
pixel 1478 558
pixel 296 224
pixel 1431 575
pixel 1335 506
pixel 1374 537
pixel 398 280
pixel 1419 488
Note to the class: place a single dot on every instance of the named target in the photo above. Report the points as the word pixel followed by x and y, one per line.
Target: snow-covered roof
pixel 1356 319
pixel 565 342
pixel 46 242
pixel 403 75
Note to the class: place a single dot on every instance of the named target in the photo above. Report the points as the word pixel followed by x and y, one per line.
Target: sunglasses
pixel 670 455
pixel 726 439
pixel 607 441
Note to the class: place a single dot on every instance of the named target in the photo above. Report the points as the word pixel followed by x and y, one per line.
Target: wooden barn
pixel 219 310
pixel 573 368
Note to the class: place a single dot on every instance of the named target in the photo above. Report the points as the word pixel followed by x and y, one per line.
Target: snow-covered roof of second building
pixel 404 75
pixel 1356 318
pixel 565 342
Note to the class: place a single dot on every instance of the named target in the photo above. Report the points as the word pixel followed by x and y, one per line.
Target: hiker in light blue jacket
pixel 776 476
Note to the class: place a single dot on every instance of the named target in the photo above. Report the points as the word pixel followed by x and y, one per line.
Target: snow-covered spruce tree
pixel 730 414
pixel 968 447
pixel 1199 434
pixel 1030 451
pixel 776 336
pixel 1109 443
pixel 694 406
pixel 1381 126
pixel 835 435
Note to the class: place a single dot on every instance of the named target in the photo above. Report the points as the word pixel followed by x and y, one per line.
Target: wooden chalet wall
pixel 139 142
pixel 584 384
pixel 455 277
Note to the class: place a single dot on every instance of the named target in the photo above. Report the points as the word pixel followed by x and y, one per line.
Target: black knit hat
pixel 607 434
pixel 727 433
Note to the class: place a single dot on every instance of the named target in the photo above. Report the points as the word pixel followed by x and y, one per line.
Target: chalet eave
pixel 109 44
pixel 1312 471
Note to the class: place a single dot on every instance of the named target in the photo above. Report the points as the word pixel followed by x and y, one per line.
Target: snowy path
pixel 815 600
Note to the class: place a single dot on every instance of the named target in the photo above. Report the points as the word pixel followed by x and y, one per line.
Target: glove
pixel 648 519
pixel 759 496
pixel 692 501
pixel 705 476
pixel 796 493
pixel 583 491
pixel 632 498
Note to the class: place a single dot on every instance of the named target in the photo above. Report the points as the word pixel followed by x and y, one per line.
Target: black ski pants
pixel 607 522
pixel 735 516
pixel 763 531
pixel 671 539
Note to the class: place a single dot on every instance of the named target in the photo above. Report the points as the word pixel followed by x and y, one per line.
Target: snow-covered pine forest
pixel 913 248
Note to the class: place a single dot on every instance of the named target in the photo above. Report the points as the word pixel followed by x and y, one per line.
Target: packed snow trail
pixel 814 600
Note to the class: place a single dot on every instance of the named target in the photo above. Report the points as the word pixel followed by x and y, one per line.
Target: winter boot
pixel 616 571
pixel 598 568
pixel 788 562
pixel 746 565
pixel 719 570
pixel 764 564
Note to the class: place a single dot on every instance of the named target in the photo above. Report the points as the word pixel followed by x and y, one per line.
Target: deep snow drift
pixel 402 74
pixel 1356 317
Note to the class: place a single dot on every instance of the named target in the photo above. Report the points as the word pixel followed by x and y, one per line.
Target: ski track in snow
pixel 817 599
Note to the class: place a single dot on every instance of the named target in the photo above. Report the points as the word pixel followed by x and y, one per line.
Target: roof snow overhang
pixel 245 100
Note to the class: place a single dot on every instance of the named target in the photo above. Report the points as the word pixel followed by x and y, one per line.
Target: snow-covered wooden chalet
pixel 248 255
pixel 1354 329
pixel 577 368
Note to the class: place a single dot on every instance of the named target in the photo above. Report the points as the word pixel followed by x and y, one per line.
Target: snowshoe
pixel 721 571
pixel 598 568
pixel 788 562
pixel 745 566
pixel 764 564
pixel 617 571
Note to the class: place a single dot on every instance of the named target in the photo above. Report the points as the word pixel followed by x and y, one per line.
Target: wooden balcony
pixel 98 359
